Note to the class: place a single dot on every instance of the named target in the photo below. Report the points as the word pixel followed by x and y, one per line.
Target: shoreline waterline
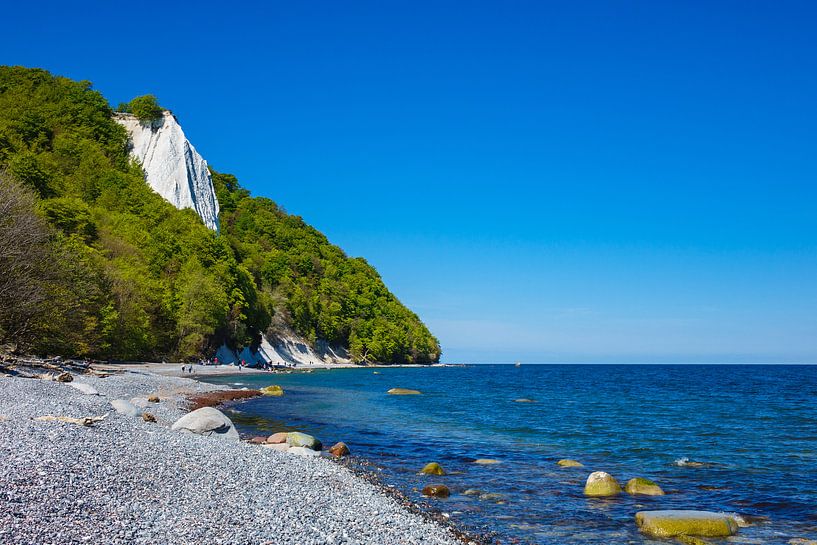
pixel 683 427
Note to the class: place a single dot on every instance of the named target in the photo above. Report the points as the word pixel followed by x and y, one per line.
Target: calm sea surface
pixel 753 427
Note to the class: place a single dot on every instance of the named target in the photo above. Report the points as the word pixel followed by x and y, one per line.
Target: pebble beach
pixel 125 480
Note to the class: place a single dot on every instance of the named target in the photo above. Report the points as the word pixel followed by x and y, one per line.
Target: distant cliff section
pixel 118 241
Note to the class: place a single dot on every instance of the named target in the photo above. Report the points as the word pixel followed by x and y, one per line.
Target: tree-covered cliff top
pixel 112 270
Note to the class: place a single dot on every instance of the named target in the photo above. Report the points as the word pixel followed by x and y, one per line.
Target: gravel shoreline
pixel 124 480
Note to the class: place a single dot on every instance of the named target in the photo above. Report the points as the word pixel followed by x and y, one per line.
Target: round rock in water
pixel 601 484
pixel 207 421
pixel 685 523
pixel 569 463
pixel 436 491
pixel 644 487
pixel 404 392
pixel 432 469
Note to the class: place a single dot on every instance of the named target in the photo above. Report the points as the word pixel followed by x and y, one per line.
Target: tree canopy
pixel 132 277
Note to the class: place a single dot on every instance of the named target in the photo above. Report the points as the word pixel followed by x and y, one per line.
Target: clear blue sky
pixel 539 181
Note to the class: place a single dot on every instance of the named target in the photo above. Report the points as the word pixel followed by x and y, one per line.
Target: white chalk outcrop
pixel 284 350
pixel 173 167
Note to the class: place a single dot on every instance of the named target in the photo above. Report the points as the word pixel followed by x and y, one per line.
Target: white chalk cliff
pixel 173 167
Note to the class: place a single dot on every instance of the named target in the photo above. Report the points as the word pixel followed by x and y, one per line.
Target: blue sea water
pixel 753 427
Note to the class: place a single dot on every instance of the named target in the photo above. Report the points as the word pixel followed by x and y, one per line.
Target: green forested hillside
pixel 98 264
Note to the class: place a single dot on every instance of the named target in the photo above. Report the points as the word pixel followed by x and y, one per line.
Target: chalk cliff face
pixel 173 167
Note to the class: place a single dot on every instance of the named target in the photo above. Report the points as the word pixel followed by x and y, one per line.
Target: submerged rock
pixel 209 422
pixel 524 400
pixel 569 463
pixel 298 439
pixel 473 492
pixel 404 392
pixel 339 450
pixel 123 406
pixel 436 491
pixel 687 523
pixel 486 461
pixel 642 486
pixel 492 497
pixel 432 469
pixel 601 484
pixel 273 390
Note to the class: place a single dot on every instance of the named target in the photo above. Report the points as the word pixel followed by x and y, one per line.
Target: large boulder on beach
pixel 642 486
pixel 404 392
pixel 601 484
pixel 207 421
pixel 298 439
pixel 123 406
pixel 276 438
pixel 432 469
pixel 83 387
pixel 663 524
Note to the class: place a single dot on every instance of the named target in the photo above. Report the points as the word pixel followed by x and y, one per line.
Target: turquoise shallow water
pixel 753 427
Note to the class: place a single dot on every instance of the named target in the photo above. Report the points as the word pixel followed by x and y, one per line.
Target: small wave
pixel 686 462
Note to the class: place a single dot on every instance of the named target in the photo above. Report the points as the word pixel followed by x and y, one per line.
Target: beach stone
pixel 436 491
pixel 123 406
pixel 298 439
pixel 404 392
pixel 601 484
pixel 486 461
pixel 280 447
pixel 65 376
pixel 569 463
pixel 802 541
pixel 303 451
pixel 273 390
pixel 147 417
pixel 280 437
pixel 209 422
pixel 86 389
pixel 339 450
pixel 642 486
pixel 689 523
pixel 153 399
pixel 257 440
pixel 432 469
